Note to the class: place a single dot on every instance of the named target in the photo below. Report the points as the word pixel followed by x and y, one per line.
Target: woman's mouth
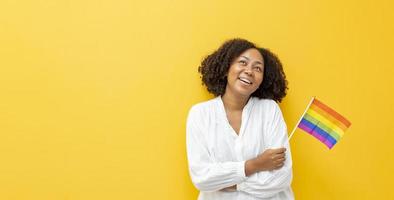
pixel 245 81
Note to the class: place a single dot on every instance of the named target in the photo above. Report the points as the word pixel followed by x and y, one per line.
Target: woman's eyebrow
pixel 245 57
pixel 258 62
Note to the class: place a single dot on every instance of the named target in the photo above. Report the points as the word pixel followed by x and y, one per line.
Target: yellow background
pixel 94 94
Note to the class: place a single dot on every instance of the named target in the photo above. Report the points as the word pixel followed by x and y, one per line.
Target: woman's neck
pixel 234 102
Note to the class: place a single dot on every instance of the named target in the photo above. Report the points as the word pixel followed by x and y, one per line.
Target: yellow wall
pixel 94 94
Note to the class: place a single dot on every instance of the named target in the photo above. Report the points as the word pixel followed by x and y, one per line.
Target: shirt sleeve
pixel 265 184
pixel 206 174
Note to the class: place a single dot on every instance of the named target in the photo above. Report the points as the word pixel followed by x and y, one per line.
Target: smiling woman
pixel 214 69
pixel 237 142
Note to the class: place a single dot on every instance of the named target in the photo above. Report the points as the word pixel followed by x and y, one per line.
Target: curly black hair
pixel 214 69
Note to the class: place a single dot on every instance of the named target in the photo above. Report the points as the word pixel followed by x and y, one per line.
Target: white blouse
pixel 217 155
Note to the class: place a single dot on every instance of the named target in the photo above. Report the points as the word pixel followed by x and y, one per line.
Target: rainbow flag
pixel 323 123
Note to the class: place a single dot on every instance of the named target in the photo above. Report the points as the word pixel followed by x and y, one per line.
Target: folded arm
pixel 206 174
pixel 267 183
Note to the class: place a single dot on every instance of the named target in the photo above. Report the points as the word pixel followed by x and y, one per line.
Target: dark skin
pixel 244 77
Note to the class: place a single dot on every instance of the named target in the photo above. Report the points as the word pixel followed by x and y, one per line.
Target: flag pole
pixel 301 118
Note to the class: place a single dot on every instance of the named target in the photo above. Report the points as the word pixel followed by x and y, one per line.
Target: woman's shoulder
pixel 269 109
pixel 204 107
pixel 266 103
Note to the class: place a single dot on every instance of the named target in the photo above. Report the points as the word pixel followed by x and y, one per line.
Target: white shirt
pixel 217 155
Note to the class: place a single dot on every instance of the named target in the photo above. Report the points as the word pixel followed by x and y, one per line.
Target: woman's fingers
pixel 280 160
pixel 271 159
pixel 278 156
pixel 279 150
pixel 279 165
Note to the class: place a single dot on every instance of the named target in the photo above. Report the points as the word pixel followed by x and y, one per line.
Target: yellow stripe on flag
pixel 326 122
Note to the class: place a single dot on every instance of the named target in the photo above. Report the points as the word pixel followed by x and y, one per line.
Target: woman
pixel 237 144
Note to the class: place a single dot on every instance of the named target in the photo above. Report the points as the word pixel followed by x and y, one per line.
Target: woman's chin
pixel 244 92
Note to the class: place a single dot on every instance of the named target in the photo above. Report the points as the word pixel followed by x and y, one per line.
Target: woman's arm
pixel 265 184
pixel 206 174
pixel 271 159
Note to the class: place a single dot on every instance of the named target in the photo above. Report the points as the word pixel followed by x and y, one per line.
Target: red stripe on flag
pixel 331 112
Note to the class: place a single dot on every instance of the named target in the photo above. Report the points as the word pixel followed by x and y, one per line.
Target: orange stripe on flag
pixel 331 112
pixel 328 116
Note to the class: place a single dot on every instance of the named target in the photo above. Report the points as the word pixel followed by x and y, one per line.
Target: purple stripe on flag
pixel 304 127
pixel 328 144
pixel 318 136
pixel 318 133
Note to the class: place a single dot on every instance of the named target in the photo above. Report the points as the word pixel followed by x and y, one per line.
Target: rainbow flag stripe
pixel 324 123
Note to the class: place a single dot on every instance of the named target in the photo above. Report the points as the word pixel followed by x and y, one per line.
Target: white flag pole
pixel 301 118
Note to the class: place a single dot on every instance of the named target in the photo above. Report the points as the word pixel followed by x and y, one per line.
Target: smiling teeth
pixel 245 80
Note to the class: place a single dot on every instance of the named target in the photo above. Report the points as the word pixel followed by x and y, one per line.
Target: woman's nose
pixel 248 70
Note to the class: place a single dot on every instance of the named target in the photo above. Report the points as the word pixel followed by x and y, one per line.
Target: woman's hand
pixel 269 160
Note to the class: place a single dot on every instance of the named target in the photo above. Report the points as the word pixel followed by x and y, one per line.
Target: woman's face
pixel 245 73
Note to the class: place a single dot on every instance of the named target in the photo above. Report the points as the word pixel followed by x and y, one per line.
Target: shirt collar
pixel 222 112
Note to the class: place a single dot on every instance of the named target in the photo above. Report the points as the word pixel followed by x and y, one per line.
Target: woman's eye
pixel 242 62
pixel 258 69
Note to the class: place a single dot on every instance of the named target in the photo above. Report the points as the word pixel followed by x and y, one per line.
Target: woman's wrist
pixel 250 167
